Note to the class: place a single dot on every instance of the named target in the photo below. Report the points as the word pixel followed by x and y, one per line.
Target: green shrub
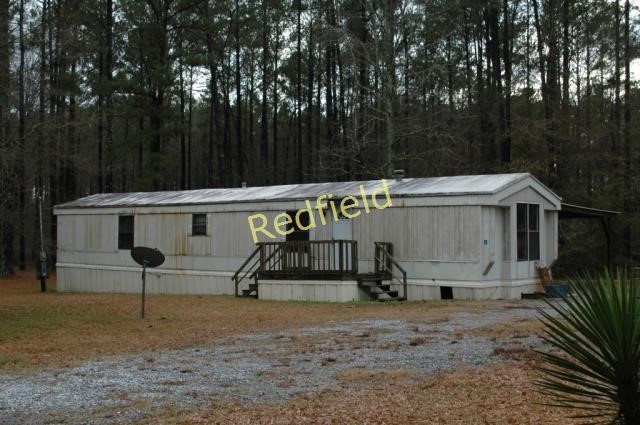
pixel 595 366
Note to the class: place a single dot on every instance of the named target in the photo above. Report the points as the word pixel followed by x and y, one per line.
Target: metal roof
pixel 407 187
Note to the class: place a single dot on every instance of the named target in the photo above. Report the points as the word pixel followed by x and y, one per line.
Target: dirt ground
pixel 42 330
pixel 499 394
pixel 302 363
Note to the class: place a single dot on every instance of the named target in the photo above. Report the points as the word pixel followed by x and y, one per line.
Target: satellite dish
pixel 146 257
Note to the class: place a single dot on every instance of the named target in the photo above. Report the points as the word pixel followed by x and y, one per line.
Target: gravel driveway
pixel 253 367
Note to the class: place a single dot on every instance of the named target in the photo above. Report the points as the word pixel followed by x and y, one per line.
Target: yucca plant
pixel 595 366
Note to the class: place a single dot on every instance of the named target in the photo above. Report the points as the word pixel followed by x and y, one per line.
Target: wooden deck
pixel 334 259
pixel 321 260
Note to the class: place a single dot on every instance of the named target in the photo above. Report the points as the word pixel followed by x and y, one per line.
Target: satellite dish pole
pixel 144 281
pixel 146 257
pixel 43 253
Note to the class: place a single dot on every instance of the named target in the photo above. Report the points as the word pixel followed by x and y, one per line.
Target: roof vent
pixel 244 185
pixel 398 174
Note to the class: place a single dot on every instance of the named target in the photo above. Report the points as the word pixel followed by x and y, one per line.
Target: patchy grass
pixel 374 376
pixel 515 352
pixel 418 340
pixel 61 329
pixel 513 329
pixel 23 319
pixel 499 394
pixel 10 360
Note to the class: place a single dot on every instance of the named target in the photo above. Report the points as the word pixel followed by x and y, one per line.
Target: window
pixel 199 225
pixel 125 232
pixel 528 231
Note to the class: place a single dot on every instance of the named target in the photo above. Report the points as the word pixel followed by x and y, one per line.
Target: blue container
pixel 557 290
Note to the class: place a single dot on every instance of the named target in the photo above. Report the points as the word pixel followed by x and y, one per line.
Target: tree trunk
pixel 496 96
pixel 310 75
pixel 190 130
pixel 628 178
pixel 469 88
pixel 225 163
pixel 541 57
pixel 330 90
pixel 565 56
pixel 240 152
pixel 276 48
pixel 300 170
pixel 214 127
pixel 616 83
pixel 318 122
pixel 342 116
pixel 507 53
pixel 6 225
pixel 22 185
pixel 141 131
pixel 160 86
pixel 69 174
pixel 108 73
pixel 182 96
pixel 264 129
pixel 250 115
pixel 100 124
pixel 41 95
pixel 528 54
pixel 481 110
pixel 362 87
pixel 389 84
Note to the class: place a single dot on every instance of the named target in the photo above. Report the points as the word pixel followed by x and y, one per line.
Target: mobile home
pixel 461 237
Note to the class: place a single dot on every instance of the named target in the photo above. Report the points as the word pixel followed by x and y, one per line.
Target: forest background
pixel 133 95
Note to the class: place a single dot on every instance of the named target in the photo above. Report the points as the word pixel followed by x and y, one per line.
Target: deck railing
pixel 326 259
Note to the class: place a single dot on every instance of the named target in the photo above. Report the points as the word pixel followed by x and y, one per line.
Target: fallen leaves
pixel 499 394
pixel 63 329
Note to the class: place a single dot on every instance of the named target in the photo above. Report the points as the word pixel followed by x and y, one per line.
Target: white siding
pixel 228 234
pixel 311 290
pixel 421 233
pixel 88 233
pixel 83 278
pixel 528 195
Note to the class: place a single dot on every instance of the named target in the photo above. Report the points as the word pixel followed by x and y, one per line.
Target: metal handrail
pixel 235 276
pixel 382 261
pixel 255 267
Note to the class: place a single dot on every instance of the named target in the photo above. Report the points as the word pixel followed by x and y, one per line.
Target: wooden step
pixel 369 276
pixel 369 283
pixel 250 293
pixel 379 289
pixel 387 296
pixel 390 293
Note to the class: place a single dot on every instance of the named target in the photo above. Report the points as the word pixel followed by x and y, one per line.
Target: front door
pixel 295 255
pixel 341 230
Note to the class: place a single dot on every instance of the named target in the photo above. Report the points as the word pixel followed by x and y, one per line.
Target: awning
pixel 577 211
pixel 570 211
